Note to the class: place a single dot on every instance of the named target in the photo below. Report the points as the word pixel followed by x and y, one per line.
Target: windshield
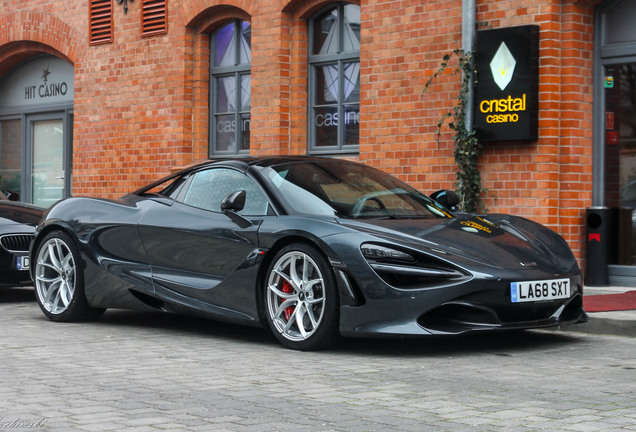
pixel 348 190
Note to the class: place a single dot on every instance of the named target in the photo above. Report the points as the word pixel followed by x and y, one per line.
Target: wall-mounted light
pixel 125 2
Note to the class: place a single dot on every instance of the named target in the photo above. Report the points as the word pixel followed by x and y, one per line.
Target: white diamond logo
pixel 502 66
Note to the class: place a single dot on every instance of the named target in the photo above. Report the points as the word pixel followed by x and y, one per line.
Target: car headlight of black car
pixel 377 252
pixel 408 270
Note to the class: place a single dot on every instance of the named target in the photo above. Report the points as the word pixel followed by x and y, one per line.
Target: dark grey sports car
pixel 17 225
pixel 311 247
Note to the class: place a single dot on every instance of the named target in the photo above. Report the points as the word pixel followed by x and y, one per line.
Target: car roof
pixel 259 161
pixel 267 161
pixel 242 163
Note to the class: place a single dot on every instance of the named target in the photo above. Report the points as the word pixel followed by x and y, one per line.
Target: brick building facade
pixel 144 99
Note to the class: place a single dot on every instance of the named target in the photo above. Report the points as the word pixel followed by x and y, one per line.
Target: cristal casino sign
pixel 506 95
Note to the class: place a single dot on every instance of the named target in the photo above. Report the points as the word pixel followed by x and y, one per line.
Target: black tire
pixel 302 306
pixel 59 280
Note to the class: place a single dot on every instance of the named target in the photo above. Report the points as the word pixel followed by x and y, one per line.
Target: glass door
pixel 11 158
pixel 46 179
pixel 620 151
pixel 614 163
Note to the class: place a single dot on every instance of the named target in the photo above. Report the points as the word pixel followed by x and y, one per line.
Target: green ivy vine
pixel 468 149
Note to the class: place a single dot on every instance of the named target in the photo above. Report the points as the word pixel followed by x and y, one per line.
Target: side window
pixel 209 187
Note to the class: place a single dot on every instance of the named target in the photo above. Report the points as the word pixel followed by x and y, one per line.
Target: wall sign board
pixel 44 80
pixel 506 94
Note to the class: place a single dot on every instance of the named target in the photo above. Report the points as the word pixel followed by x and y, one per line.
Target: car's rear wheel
pixel 301 298
pixel 59 280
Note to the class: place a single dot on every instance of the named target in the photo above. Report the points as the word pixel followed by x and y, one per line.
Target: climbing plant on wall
pixel 467 146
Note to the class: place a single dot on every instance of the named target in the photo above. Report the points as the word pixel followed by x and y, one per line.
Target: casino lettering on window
pixel 351 117
pixel 229 126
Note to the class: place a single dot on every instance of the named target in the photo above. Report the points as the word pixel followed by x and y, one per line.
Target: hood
pixel 496 241
pixel 13 213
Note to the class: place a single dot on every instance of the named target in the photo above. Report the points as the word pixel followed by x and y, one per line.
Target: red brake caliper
pixel 287 289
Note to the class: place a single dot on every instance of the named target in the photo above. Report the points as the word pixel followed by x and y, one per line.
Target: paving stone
pixel 156 372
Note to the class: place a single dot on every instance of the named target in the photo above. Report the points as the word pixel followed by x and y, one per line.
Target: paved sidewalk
pixel 152 372
pixel 617 323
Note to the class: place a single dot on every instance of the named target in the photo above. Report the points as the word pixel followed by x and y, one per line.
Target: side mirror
pixel 446 198
pixel 234 202
pixel 12 196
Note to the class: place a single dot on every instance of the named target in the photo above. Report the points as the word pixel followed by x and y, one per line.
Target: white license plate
pixel 529 291
pixel 23 263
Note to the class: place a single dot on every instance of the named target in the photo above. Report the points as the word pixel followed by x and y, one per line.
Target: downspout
pixel 468 42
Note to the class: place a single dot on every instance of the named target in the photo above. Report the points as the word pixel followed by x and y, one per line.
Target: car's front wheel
pixel 301 298
pixel 59 280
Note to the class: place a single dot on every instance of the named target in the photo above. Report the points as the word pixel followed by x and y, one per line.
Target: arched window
pixel 230 82
pixel 334 68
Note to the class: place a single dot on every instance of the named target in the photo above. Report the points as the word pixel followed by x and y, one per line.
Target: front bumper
pixel 473 306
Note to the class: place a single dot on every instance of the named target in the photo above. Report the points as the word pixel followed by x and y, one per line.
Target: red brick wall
pixel 549 180
pixel 141 104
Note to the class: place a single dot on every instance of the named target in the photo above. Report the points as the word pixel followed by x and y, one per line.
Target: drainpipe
pixel 468 42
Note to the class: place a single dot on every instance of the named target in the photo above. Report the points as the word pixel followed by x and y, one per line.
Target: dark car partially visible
pixel 17 224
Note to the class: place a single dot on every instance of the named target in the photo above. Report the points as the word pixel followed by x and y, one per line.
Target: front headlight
pixel 410 270
pixel 377 252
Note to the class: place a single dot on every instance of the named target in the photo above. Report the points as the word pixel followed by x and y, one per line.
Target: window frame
pixel 237 71
pixel 318 60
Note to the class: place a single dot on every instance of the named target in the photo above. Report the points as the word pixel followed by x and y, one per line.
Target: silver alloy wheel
pixel 55 276
pixel 296 296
